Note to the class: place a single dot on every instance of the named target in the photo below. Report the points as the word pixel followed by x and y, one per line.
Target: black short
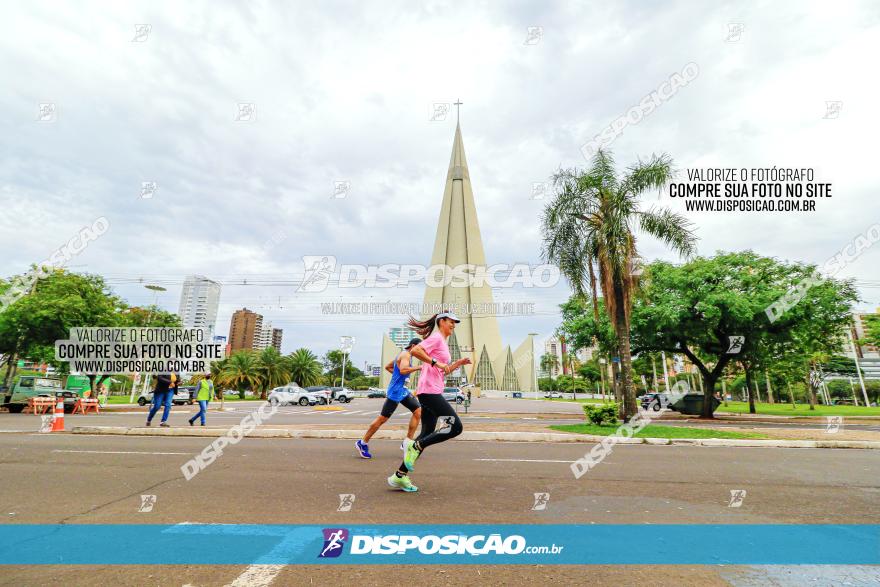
pixel 409 402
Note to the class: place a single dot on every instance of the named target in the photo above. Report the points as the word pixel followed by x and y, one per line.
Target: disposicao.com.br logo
pixel 431 544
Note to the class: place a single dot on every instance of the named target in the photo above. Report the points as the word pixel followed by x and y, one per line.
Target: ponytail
pixel 423 328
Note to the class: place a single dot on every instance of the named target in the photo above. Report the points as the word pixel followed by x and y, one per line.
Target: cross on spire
pixel 457 109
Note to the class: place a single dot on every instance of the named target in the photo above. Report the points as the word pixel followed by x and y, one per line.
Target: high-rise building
pixel 245 331
pixel 458 243
pixel 199 300
pixel 277 334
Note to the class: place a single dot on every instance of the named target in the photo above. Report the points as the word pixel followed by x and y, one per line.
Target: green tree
pixel 57 302
pixel 241 371
pixel 549 361
pixel 592 219
pixel 703 307
pixel 274 370
pixel 304 367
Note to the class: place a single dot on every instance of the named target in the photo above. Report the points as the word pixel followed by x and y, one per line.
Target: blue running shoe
pixel 363 449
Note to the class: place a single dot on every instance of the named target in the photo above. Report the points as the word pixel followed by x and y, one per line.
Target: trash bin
pixel 517 394
pixel 692 404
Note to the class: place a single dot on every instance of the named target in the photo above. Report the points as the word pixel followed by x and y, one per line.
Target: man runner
pixel 400 369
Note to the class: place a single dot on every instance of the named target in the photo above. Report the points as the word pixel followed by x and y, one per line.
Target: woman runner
pixel 434 354
pixel 397 394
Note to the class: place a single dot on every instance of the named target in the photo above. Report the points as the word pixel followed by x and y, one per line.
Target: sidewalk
pixel 335 432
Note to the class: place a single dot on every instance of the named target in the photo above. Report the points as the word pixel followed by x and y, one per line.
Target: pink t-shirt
pixel 431 379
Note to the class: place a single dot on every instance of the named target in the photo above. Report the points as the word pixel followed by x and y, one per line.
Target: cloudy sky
pixel 346 92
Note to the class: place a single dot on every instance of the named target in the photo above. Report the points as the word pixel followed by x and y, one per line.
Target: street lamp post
pixel 346 343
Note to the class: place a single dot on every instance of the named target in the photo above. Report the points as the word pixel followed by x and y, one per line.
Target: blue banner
pixel 215 544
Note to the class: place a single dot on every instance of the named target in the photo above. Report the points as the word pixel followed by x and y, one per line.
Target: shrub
pixel 601 415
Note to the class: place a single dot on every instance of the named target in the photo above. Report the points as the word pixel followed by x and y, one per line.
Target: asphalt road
pixel 98 479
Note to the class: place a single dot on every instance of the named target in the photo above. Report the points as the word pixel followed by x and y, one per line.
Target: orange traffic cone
pixel 58 417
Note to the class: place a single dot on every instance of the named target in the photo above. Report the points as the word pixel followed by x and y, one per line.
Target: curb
pixel 477 436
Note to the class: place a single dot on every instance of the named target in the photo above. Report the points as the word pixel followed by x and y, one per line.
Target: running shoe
pixel 410 455
pixel 363 449
pixel 402 483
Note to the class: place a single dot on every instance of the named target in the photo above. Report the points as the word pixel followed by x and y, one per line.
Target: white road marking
pixel 522 461
pixel 257 576
pixel 122 452
pixel 355 412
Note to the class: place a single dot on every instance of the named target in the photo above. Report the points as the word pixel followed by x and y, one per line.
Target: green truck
pixel 28 386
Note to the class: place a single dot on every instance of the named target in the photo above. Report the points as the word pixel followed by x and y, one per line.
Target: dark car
pixel 655 402
pixel 374 392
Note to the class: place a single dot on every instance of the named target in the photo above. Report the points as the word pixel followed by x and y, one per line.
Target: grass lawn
pixel 657 431
pixel 799 410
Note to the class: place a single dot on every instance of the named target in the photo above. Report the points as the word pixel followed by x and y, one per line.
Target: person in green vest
pixel 204 394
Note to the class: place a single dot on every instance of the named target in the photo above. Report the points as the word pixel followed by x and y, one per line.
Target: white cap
pixel 449 315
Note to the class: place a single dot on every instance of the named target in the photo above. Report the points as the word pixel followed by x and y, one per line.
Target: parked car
pixel 290 395
pixel 181 397
pixel 375 392
pixel 323 393
pixel 27 386
pixel 453 394
pixel 552 394
pixel 655 402
pixel 342 394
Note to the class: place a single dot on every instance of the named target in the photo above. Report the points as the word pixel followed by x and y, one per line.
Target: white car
pixel 181 396
pixel 291 394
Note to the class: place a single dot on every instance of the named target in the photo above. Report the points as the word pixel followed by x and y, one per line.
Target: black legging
pixel 436 409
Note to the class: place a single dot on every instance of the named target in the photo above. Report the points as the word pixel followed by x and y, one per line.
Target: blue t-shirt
pixel 397 388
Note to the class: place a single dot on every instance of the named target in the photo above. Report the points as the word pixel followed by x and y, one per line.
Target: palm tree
pixel 304 367
pixel 241 371
pixel 273 370
pixel 591 220
pixel 549 361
